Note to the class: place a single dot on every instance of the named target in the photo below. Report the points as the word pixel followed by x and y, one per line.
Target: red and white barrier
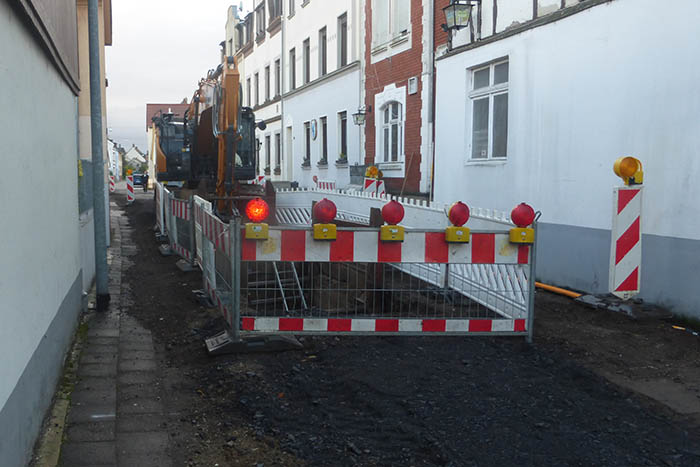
pixel 180 209
pixel 112 186
pixel 258 180
pixel 129 189
pixel 374 186
pixel 366 247
pixel 326 184
pixel 216 231
pixel 378 325
pixel 626 250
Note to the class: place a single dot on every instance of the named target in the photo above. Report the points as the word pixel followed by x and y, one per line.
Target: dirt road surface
pixel 596 388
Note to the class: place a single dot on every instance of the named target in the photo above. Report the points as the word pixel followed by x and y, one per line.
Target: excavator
pixel 212 148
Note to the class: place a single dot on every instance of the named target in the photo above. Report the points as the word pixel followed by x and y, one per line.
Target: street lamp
pixel 359 117
pixel 457 16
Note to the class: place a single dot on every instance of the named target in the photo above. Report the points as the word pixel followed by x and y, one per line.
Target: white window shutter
pixel 380 22
pixel 401 16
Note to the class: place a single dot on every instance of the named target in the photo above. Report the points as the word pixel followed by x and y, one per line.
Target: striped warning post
pixel 364 246
pixel 383 325
pixel 129 189
pixel 374 186
pixel 112 186
pixel 626 249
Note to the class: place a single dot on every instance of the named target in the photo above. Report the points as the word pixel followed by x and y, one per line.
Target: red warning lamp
pixel 458 214
pixel 522 215
pixel 392 212
pixel 257 210
pixel 325 211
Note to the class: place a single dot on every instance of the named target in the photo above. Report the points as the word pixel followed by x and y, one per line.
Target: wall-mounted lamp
pixel 457 16
pixel 359 117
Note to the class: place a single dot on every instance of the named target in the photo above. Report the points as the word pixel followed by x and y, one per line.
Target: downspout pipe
pixel 96 133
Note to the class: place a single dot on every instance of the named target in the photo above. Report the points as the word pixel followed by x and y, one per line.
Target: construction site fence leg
pixel 531 286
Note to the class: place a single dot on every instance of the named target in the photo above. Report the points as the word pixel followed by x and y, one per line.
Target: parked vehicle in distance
pixel 139 179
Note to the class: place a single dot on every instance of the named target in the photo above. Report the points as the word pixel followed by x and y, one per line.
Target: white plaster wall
pixel 584 91
pixel 307 22
pixel 511 12
pixel 314 103
pixel 39 248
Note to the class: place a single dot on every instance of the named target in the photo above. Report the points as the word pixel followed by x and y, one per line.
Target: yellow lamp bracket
pixel 524 235
pixel 455 234
pixel 629 169
pixel 391 233
pixel 325 232
pixel 257 231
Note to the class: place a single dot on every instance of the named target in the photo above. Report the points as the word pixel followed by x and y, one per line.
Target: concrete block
pixel 89 453
pixel 137 365
pixel 98 369
pixel 91 431
pixel 136 377
pixel 145 405
pixel 140 422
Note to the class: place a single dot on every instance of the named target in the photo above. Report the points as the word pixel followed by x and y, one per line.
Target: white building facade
pixel 300 65
pixel 535 105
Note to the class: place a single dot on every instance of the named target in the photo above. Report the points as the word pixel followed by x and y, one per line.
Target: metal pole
pixel 98 185
pixel 531 286
pixel 235 243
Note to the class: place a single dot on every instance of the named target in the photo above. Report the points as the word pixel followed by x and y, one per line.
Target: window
pixel 307 61
pixel 275 7
pixel 278 152
pixel 392 132
pixel 307 143
pixel 257 89
pixel 249 28
pixel 322 53
pixel 291 8
pixel 230 47
pixel 247 93
pixel 278 77
pixel 268 150
pixel 240 34
pixel 260 21
pixel 391 20
pixel 489 102
pixel 292 69
pixel 343 40
pixel 324 140
pixel 343 124
pixel 267 83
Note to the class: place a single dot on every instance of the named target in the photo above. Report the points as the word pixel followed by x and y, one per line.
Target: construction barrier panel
pixel 160 210
pixel 179 225
pixel 112 186
pixel 360 284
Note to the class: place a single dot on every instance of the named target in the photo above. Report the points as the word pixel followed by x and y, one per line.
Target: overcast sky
pixel 161 48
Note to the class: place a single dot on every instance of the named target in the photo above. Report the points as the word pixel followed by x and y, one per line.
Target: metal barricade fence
pixel 213 257
pixel 180 228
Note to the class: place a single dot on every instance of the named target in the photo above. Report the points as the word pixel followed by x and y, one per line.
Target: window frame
pixel 322 51
pixel 342 39
pixel 267 83
pixel 323 123
pixel 393 37
pixel 400 123
pixel 307 144
pixel 292 69
pixel 306 52
pixel 256 84
pixel 268 153
pixel 343 133
pixel 490 92
pixel 260 22
pixel 278 77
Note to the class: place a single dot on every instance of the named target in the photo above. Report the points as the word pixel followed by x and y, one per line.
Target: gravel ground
pixel 413 401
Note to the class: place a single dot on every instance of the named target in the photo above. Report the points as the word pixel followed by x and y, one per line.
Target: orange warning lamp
pixel 324 211
pixel 458 215
pixel 522 215
pixel 392 213
pixel 257 211
pixel 629 169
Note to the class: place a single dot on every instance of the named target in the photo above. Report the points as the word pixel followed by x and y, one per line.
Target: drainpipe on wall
pixel 98 185
pixel 283 129
pixel 431 97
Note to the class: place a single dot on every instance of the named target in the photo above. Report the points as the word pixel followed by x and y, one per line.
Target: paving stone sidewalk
pixel 116 415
